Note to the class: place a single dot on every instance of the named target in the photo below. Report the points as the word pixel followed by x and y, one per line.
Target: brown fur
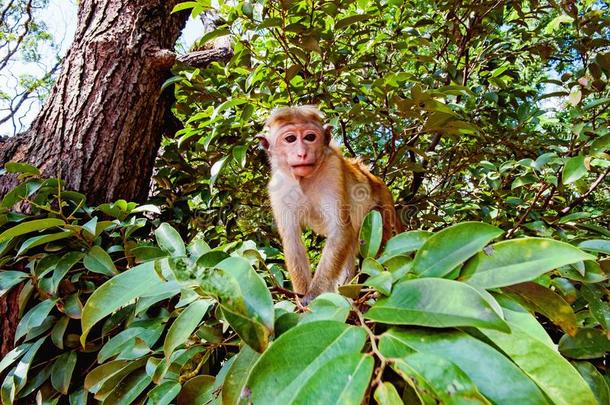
pixel 314 186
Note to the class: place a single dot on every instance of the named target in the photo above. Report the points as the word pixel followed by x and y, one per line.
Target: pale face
pixel 298 148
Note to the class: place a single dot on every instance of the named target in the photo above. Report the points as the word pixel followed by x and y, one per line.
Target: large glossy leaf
pixel 30 226
pixel 282 371
pixel 434 374
pixel 16 379
pixel 437 303
pixel 519 260
pixel 548 303
pixel 253 289
pixel 117 292
pixel 446 249
pixel 13 356
pixel 370 234
pixel 197 390
pixel 238 374
pixel 404 243
pixel 34 317
pixel 552 372
pixel 164 394
pixel 327 306
pixel 342 380
pixel 595 379
pixel 184 325
pixel 61 372
pixel 574 169
pixel 128 389
pixel 9 279
pixel 596 245
pixel 484 365
pixel 42 240
pixel 98 261
pixel 169 240
pixel 102 380
pixel 386 394
pixel 247 304
pixel 588 343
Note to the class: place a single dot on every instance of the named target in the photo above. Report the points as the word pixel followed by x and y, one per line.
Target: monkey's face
pixel 298 148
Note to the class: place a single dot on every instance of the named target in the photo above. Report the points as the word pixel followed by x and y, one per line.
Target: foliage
pixel 108 312
pixel 489 111
pixel 185 300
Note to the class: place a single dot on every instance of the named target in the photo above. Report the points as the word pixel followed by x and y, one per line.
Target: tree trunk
pixel 101 126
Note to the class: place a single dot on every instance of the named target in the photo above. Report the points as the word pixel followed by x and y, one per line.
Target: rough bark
pixel 9 309
pixel 101 126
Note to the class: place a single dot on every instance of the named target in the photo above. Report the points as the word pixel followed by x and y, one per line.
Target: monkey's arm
pixel 294 252
pixel 340 242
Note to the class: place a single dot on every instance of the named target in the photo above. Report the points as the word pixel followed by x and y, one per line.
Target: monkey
pixel 314 186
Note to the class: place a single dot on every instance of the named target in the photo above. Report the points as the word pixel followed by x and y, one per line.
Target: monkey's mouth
pixel 303 165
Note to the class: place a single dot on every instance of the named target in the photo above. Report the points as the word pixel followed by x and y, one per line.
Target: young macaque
pixel 314 186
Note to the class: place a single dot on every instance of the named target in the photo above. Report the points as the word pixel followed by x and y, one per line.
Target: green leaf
pixel 342 380
pixel 58 331
pixel 128 389
pixel 596 245
pixel 61 372
pixel 482 363
pixel 600 145
pixel 18 167
pixel 30 226
pixel 216 169
pixel 116 293
pixel 164 394
pixel 34 317
pixel 344 22
pixel 404 243
pixel 433 374
pixel 103 379
pixel 386 394
pixel 595 379
pixel 254 323
pixel 169 240
pixel 327 306
pixel 13 356
pixel 238 374
pixel 436 302
pixel 450 247
pixel 218 32
pixel 36 380
pixel 184 325
pixel 599 308
pixel 574 169
pixel 596 103
pixel 42 240
pixel 519 260
pixel 9 279
pixel 588 343
pixel 63 266
pixel 371 234
pixel 17 377
pixel 186 5
pixel 382 282
pixel 98 261
pixel 283 370
pixel 197 390
pixel 548 303
pixel 549 370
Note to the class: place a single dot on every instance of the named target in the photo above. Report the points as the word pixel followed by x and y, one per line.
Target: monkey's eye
pixel 310 137
pixel 290 138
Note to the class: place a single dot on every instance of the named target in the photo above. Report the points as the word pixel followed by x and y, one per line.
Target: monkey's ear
pixel 264 142
pixel 328 133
